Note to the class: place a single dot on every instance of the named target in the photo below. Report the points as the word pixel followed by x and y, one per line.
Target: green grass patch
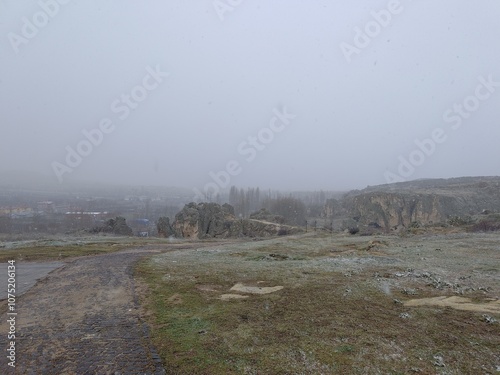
pixel 54 252
pixel 182 326
pixel 42 251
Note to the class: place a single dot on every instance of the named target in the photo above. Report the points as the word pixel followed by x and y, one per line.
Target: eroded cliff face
pixel 424 201
pixel 390 210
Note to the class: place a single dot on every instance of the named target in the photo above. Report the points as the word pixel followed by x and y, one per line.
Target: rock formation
pixel 117 225
pixel 164 227
pixel 421 201
pixel 210 220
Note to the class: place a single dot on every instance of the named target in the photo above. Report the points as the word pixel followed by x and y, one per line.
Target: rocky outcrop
pixel 203 220
pixel 260 228
pixel 210 220
pixel 390 210
pixel 423 202
pixel 117 225
pixel 165 229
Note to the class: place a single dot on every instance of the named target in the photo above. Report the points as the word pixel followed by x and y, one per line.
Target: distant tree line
pixel 244 202
pixel 292 209
pixel 249 201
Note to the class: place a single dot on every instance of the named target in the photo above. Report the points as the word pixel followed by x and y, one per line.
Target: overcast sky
pixel 352 106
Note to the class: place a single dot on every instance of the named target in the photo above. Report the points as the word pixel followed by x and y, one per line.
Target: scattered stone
pixel 374 244
pixel 459 303
pixel 386 288
pixel 405 316
pixel 409 291
pixel 255 289
pixel 488 319
pixel 278 257
pixel 484 289
pixel 438 361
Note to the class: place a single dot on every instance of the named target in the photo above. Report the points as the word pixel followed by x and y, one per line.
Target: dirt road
pixel 28 275
pixel 82 319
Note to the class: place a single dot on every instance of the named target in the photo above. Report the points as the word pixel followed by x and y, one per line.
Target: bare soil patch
pixel 255 289
pixel 459 303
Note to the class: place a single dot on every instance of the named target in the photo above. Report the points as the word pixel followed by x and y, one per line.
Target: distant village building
pixel 17 212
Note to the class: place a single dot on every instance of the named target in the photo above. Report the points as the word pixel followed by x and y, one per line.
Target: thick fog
pixel 282 94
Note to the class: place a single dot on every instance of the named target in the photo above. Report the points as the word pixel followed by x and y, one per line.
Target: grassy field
pixel 341 309
pixel 51 249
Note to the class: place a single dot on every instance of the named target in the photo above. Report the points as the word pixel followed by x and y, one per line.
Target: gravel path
pixel 83 319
